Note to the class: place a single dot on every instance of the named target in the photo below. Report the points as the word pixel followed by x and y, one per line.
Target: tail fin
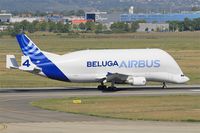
pixel 31 50
pixel 38 58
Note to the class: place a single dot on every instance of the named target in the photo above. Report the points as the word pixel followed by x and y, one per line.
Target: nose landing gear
pixel 164 85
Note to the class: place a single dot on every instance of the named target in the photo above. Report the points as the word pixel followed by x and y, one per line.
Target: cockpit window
pixel 182 75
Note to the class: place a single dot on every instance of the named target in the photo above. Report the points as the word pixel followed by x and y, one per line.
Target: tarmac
pixel 18 116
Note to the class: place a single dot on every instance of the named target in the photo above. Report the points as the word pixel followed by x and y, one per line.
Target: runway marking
pixel 3 127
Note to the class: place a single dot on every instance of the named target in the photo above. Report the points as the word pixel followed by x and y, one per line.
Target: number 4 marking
pixel 26 63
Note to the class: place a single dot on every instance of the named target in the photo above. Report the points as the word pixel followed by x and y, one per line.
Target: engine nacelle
pixel 137 81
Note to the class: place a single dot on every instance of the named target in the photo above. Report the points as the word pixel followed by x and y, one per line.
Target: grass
pixel 184 47
pixel 155 108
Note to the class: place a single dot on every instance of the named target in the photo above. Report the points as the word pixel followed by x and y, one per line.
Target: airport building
pixel 150 27
pixel 5 17
pixel 54 18
pixel 157 17
pixel 96 16
pixel 20 19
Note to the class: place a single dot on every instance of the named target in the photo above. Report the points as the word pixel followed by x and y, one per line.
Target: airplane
pixel 117 66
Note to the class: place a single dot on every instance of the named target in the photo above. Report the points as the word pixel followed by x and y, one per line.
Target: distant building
pixel 79 21
pixel 131 10
pixel 90 16
pixel 5 17
pixel 54 18
pixel 96 16
pixel 150 27
pixel 20 19
pixel 3 27
pixel 157 17
pixel 3 11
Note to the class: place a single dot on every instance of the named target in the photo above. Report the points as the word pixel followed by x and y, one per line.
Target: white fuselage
pixel 92 65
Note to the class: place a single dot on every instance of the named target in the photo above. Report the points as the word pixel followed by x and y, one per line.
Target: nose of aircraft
pixel 186 79
pixel 182 79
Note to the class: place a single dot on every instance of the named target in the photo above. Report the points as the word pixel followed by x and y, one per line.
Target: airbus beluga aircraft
pixel 117 66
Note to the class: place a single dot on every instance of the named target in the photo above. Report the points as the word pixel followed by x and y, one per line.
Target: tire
pixel 101 87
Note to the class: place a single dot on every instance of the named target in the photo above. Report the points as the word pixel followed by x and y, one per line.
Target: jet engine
pixel 137 81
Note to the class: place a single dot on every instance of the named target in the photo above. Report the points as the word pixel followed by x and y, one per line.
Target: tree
pixel 181 26
pixel 17 28
pixel 90 26
pixel 173 25
pixel 82 26
pixel 187 24
pixel 24 24
pixel 99 28
pixel 36 25
pixel 120 27
pixel 196 24
pixel 75 27
pixel 134 26
pixel 52 27
pixel 31 28
pixel 43 26
pixel 126 27
pixel 62 28
pixel 66 28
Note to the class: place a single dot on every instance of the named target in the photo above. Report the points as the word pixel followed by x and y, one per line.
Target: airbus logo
pixel 125 64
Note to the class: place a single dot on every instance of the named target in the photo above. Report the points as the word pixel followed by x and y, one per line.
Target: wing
pixel 116 77
pixel 124 79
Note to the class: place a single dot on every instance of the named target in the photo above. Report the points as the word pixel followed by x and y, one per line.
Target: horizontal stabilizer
pixel 11 62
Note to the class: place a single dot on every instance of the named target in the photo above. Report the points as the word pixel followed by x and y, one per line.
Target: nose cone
pixel 182 79
pixel 186 79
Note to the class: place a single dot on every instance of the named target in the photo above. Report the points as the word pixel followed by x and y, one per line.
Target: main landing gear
pixel 164 85
pixel 103 87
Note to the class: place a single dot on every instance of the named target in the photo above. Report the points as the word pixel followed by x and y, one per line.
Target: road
pixel 17 115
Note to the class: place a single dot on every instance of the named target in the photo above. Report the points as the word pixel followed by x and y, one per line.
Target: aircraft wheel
pixel 102 87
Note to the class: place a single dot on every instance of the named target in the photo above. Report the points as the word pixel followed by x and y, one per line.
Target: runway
pixel 17 113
